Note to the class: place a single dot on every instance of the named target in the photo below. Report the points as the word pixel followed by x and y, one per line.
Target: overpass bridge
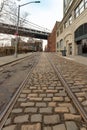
pixel 11 29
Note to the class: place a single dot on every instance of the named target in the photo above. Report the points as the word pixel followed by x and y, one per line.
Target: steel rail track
pixel 6 112
pixel 22 59
pixel 69 91
pixel 16 61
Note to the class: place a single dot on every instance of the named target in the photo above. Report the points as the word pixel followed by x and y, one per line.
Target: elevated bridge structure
pixel 26 32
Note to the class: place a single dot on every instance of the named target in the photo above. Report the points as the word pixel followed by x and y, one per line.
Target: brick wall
pixel 51 46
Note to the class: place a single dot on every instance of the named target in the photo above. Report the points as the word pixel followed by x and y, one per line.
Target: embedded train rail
pixel 14 61
pixel 76 102
pixel 4 115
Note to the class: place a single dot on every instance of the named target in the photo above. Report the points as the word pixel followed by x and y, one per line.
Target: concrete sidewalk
pixel 78 59
pixel 7 59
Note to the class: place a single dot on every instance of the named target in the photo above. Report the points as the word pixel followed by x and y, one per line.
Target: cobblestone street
pixel 44 104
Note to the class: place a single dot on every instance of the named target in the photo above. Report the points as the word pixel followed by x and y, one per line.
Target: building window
pixel 61 29
pixel 66 24
pixel 85 3
pixel 81 32
pixel 67 4
pixel 58 45
pixel 61 44
pixel 57 33
pixel 70 2
pixel 70 20
pixel 80 8
pixel 76 12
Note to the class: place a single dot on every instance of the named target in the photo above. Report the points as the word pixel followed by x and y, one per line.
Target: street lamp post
pixel 18 17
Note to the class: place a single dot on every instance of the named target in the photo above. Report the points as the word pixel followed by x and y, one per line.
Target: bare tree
pixel 8 12
pixel 6 7
pixel 23 19
pixel 2 4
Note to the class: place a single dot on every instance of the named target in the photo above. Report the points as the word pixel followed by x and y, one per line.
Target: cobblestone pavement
pixel 75 75
pixel 43 104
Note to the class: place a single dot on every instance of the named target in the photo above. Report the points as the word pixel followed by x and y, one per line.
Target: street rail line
pixel 6 112
pixel 69 91
pixel 14 62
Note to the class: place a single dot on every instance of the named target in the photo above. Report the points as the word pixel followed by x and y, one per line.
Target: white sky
pixel 45 13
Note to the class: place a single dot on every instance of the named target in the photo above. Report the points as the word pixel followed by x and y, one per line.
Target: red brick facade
pixel 51 46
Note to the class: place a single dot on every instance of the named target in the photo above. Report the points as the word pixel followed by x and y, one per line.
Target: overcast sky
pixel 45 13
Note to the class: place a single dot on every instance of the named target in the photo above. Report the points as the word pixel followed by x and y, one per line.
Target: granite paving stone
pixel 30 110
pixel 27 104
pixel 61 109
pixel 41 104
pixel 36 118
pixel 47 128
pixel 59 127
pixel 31 127
pixel 51 119
pixel 44 103
pixel 83 128
pixel 17 110
pixel 58 99
pixel 72 117
pixel 11 127
pixel 47 110
pixel 21 119
pixel 52 104
pixel 71 125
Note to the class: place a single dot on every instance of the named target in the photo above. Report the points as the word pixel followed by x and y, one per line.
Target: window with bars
pixel 66 24
pixel 58 45
pixel 57 33
pixel 80 8
pixel 61 43
pixel 85 3
pixel 70 20
pixel 61 29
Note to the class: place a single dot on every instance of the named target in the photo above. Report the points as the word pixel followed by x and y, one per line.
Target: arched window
pixel 81 32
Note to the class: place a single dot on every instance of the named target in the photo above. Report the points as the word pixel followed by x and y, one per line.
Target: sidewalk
pixel 79 59
pixel 7 59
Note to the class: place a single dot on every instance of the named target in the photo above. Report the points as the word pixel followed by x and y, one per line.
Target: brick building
pixel 51 46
